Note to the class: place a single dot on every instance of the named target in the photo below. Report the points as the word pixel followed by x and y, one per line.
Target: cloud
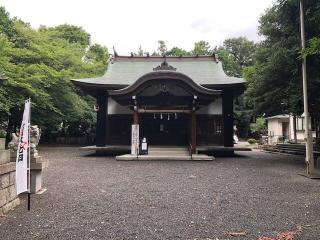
pixel 250 32
pixel 202 25
pixel 126 24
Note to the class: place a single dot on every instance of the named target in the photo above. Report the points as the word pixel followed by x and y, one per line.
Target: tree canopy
pixel 275 79
pixel 201 48
pixel 40 64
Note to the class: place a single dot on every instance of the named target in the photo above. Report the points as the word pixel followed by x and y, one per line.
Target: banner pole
pixel 29 157
pixel 23 159
pixel 29 200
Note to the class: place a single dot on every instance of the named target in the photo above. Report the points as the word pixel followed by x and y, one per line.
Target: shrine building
pixel 177 101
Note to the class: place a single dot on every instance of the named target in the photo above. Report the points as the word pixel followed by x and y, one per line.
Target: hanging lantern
pixel 176 116
pixel 154 116
pixel 168 116
pixel 96 107
pixel 161 116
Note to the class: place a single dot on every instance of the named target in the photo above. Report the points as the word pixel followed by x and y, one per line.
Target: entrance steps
pixel 180 151
pixel 167 153
pixel 289 148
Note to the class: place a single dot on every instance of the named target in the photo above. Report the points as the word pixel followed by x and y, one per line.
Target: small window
pixel 299 124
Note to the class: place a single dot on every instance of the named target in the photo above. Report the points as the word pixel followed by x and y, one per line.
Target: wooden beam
pixel 141 110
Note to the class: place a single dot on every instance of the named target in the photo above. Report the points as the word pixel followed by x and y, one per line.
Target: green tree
pixel 73 34
pixel 201 48
pixel 175 51
pixel 140 51
pixel 40 64
pixel 236 54
pixel 6 25
pixel 313 48
pixel 275 79
pixel 259 126
pixel 162 48
pixel 229 64
pixel 241 49
pixel 97 54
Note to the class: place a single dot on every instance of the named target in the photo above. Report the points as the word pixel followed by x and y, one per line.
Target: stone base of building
pixel 36 181
pixel 37 165
pixel 9 206
pixel 8 193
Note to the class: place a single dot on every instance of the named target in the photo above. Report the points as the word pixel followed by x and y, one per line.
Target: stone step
pixel 195 157
pixel 167 148
pixel 168 151
pixel 287 148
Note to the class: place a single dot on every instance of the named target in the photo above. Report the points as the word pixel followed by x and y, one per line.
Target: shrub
pixel 259 126
pixel 3 133
pixel 262 142
pixel 252 141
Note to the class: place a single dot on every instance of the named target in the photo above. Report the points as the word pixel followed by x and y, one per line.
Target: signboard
pixel 135 139
pixel 22 164
pixel 144 146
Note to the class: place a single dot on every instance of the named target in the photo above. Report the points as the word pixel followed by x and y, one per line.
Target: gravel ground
pixel 92 197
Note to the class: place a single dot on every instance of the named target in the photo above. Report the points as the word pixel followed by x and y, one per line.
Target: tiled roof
pixel 281 116
pixel 203 70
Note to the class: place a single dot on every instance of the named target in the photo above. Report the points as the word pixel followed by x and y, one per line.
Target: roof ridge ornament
pixel 115 52
pixel 164 66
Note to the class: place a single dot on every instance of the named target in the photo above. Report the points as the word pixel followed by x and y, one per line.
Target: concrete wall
pixel 8 195
pixel 274 130
pixel 300 133
pixel 116 108
pixel 214 108
pixel 291 130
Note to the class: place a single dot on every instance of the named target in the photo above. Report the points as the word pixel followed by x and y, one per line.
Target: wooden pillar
pixel 227 111
pixel 135 117
pixel 193 132
pixel 102 118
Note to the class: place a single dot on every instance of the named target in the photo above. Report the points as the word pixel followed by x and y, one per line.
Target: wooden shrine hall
pixel 177 101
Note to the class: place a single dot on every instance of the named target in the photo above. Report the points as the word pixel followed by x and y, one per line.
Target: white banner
pixel 135 139
pixel 22 165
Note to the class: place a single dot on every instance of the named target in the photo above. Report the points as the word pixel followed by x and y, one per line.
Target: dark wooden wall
pixel 227 111
pixel 209 130
pixel 102 119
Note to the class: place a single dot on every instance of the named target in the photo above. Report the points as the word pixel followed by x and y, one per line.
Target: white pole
pixel 29 147
pixel 29 157
pixel 308 136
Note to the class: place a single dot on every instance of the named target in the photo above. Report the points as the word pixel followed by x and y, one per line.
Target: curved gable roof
pixel 125 70
pixel 170 76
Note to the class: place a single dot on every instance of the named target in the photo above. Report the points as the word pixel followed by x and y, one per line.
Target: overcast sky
pixel 127 24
